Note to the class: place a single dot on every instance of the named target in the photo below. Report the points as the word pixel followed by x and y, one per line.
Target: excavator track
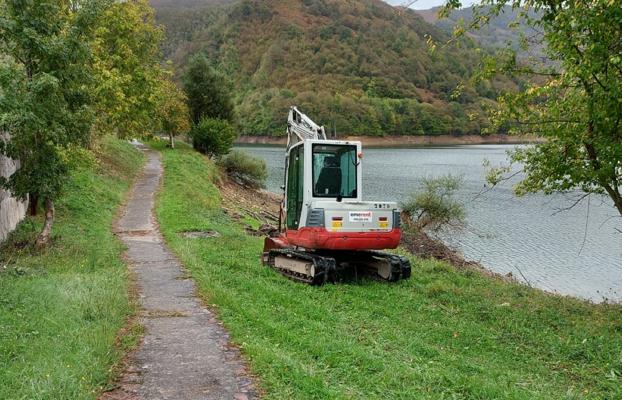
pixel 317 268
pixel 379 265
pixel 301 266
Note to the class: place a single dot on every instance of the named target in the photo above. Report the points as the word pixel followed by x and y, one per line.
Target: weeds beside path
pixel 443 334
pixel 61 309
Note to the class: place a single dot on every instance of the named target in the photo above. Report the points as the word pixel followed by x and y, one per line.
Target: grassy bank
pixel 61 309
pixel 444 334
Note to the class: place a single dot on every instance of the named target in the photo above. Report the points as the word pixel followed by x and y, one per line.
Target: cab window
pixel 334 171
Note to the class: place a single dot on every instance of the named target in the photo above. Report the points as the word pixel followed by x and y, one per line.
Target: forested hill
pixel 506 28
pixel 361 66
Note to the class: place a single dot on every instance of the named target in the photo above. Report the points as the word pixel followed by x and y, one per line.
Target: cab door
pixel 295 186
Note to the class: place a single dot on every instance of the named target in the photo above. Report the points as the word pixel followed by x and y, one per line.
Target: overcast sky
pixel 425 4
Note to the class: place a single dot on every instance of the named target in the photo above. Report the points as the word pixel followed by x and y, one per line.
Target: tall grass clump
pixel 245 168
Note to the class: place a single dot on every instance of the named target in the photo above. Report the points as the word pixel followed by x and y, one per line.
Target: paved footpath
pixel 185 353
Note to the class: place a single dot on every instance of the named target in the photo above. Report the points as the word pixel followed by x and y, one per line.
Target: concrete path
pixel 185 353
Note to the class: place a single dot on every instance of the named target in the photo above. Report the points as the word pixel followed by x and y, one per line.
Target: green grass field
pixel 444 334
pixel 61 309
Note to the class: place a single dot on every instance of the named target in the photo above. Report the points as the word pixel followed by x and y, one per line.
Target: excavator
pixel 326 230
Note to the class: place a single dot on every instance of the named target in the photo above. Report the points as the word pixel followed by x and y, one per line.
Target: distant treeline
pixel 264 113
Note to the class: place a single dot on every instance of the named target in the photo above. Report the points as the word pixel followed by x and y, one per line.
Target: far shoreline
pixel 403 141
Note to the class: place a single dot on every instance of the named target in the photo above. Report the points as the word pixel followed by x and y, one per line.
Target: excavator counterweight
pixel 325 227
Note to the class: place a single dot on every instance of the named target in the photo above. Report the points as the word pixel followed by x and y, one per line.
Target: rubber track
pixel 326 266
pixel 400 266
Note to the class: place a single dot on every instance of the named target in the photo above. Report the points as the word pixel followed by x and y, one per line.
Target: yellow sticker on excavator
pixel 337 224
pixel 384 224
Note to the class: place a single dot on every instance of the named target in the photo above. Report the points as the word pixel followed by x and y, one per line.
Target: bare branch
pixel 573 205
pixel 487 189
pixel 524 277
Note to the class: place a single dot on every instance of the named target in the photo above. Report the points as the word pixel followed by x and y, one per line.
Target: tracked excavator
pixel 326 230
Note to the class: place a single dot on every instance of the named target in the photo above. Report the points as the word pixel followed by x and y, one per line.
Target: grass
pixel 443 334
pixel 61 309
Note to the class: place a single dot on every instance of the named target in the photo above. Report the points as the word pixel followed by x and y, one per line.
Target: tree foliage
pixel 173 110
pixel 213 137
pixel 45 66
pixel 68 69
pixel 576 100
pixel 127 68
pixel 207 93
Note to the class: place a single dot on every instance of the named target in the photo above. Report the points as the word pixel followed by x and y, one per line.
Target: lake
pixel 565 252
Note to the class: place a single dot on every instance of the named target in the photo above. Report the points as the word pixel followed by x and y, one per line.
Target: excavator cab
pixel 325 224
pixel 332 173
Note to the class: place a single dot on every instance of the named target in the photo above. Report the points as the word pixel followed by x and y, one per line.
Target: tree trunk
pixel 170 135
pixel 44 236
pixel 612 190
pixel 616 197
pixel 33 204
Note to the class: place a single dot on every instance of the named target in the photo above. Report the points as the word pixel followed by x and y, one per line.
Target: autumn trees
pixel 72 70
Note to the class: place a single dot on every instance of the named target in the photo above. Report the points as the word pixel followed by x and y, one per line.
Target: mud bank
pixel 405 141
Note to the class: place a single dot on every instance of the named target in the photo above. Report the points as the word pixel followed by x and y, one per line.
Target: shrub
pixel 243 167
pixel 213 137
pixel 434 207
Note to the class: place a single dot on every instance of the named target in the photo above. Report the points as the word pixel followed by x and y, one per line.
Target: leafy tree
pixel 173 110
pixel 127 68
pixel 576 101
pixel 213 137
pixel 208 97
pixel 45 67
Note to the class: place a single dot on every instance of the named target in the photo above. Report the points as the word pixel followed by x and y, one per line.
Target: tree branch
pixel 573 205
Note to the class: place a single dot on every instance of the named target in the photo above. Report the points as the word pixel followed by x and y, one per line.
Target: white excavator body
pixel 325 224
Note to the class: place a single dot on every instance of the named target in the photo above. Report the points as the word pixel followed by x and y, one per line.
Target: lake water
pixel 564 252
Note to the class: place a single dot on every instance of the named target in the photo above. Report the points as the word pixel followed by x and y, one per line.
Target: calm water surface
pixel 564 252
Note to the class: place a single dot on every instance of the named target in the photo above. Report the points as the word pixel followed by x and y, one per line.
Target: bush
pixel 213 137
pixel 243 167
pixel 434 207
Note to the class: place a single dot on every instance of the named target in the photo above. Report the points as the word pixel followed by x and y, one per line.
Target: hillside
pixel 358 66
pixel 501 31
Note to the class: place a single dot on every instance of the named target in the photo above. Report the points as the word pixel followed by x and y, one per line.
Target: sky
pixel 426 4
